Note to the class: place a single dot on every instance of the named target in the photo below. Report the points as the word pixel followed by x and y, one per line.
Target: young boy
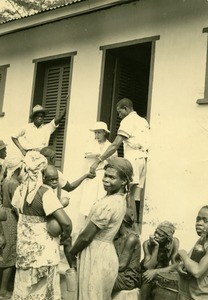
pixel 193 282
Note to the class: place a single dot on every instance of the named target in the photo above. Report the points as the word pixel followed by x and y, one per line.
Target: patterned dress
pixel 98 266
pixel 37 252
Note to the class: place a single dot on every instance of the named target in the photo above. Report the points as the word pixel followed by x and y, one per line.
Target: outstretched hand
pixel 90 175
pixel 94 167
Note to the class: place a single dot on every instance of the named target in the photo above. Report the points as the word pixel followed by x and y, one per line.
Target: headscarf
pixel 168 228
pixel 12 163
pixel 33 163
pixel 122 165
pixel 129 217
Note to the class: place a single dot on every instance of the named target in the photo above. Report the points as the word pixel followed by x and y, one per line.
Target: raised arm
pixel 109 151
pixel 58 119
pixel 150 259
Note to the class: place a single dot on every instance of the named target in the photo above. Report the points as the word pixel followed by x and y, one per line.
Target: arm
pixel 57 120
pixel 17 143
pixel 64 221
pixel 150 259
pixel 84 238
pixel 72 186
pixel 152 272
pixel 109 151
pixel 194 268
pixel 128 250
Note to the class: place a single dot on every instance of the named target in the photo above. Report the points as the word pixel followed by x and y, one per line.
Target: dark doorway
pixel 127 72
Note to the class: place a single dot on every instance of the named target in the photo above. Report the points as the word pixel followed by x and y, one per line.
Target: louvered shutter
pixel 128 84
pixel 2 85
pixel 56 87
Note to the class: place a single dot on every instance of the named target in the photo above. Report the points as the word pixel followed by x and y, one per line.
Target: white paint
pixel 178 164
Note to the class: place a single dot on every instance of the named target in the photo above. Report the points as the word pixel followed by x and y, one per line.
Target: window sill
pixel 2 114
pixel 202 101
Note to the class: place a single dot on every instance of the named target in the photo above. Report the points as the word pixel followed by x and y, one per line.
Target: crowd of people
pixel 106 253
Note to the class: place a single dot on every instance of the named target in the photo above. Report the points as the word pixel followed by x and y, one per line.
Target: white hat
pixel 38 108
pixel 100 125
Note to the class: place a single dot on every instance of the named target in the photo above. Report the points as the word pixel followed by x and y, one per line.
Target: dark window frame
pixel 43 62
pixel 3 75
pixel 205 99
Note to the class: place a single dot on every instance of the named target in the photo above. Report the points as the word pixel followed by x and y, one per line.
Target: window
pixel 205 99
pixel 52 85
pixel 3 72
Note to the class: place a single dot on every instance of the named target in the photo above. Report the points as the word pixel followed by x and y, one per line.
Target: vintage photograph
pixel 103 150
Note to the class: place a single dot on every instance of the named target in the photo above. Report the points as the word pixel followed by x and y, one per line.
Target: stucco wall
pixel 178 166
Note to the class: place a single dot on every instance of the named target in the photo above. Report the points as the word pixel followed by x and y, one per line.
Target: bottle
pixel 199 249
pixel 71 283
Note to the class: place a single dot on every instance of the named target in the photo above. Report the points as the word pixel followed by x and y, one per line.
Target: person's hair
pixel 125 102
pixel 48 152
pixel 205 206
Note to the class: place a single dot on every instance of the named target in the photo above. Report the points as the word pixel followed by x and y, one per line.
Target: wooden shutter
pixel 2 86
pixel 56 88
pixel 128 84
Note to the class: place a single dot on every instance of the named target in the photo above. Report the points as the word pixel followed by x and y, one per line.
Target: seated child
pixel 193 267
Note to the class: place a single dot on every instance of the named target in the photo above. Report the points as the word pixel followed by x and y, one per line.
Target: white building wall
pixel 178 166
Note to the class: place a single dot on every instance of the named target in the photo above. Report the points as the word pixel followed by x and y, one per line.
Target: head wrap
pixel 168 228
pixel 33 163
pixel 12 163
pixel 129 217
pixel 122 165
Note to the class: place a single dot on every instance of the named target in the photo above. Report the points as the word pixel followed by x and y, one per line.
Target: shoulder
pixel 133 239
pixel 175 241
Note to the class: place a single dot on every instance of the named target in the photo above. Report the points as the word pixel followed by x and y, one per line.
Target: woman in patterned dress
pixel 37 261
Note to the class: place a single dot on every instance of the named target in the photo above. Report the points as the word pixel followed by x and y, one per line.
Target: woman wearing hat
pixel 93 189
pixel 36 135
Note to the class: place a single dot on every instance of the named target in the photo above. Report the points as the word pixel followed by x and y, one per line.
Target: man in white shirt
pixel 134 133
pixel 36 135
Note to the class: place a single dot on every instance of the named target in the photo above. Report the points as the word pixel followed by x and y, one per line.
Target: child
pixel 193 282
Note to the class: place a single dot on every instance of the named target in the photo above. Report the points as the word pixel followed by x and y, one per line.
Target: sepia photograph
pixel 103 150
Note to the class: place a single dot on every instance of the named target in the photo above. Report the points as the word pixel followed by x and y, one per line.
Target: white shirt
pixel 136 131
pixel 50 201
pixel 61 180
pixel 35 138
